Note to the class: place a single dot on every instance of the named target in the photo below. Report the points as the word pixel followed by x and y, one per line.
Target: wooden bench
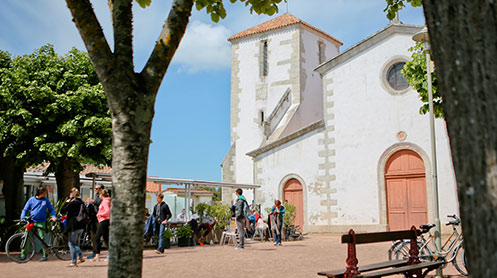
pixel 411 267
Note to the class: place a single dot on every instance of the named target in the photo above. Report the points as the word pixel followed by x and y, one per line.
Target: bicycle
pixel 57 244
pixel 449 250
pixel 293 232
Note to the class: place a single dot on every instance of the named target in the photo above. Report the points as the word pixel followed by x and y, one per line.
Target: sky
pixel 191 128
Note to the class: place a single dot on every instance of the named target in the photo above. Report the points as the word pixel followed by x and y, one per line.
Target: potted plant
pixel 184 235
pixel 167 238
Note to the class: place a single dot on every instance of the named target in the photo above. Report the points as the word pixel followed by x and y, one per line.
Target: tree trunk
pixel 131 138
pixel 13 187
pixel 464 43
pixel 66 178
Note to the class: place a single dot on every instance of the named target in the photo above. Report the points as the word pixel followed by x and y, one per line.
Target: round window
pixel 395 78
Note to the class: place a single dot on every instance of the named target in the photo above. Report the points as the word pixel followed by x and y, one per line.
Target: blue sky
pixel 190 132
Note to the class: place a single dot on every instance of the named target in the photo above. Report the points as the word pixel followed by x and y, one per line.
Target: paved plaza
pixel 259 259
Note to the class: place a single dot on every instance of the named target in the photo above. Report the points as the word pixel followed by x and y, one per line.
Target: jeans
pixel 73 245
pixel 161 237
pixel 277 237
pixel 240 226
pixel 41 234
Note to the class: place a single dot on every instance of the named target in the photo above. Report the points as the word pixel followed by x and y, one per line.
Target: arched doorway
pixel 292 192
pixel 405 183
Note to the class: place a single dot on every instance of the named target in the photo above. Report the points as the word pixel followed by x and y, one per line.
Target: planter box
pixel 185 241
pixel 167 243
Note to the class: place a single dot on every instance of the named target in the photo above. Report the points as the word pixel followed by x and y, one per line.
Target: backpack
pixel 246 209
pixel 83 214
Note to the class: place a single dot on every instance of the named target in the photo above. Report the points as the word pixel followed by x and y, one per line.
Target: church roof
pixel 368 43
pixel 279 22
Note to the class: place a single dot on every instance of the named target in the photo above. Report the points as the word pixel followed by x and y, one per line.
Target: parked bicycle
pixel 451 251
pixel 25 242
pixel 293 232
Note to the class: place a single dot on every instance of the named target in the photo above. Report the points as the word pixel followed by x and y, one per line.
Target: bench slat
pixel 402 269
pixel 378 237
pixel 370 267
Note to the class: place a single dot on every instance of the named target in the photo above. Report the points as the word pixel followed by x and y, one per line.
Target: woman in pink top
pixel 103 217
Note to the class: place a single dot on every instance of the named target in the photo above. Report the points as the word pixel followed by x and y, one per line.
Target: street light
pixel 423 37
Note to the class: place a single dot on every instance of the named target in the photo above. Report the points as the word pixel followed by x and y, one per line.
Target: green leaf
pixel 144 3
pixel 215 17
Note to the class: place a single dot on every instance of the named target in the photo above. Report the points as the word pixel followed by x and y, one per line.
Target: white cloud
pixel 204 47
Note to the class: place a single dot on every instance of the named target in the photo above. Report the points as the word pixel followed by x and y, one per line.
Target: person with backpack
pixel 242 211
pixel 77 216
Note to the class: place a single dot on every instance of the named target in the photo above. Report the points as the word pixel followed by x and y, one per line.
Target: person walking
pixel 277 211
pixel 103 217
pixel 162 213
pixel 92 206
pixel 241 217
pixel 37 208
pixel 75 209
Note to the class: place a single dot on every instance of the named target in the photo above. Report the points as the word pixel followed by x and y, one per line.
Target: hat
pixel 195 216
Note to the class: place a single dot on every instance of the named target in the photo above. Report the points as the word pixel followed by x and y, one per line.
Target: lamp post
pixel 423 37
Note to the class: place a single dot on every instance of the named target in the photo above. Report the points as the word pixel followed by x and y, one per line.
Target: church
pixel 335 133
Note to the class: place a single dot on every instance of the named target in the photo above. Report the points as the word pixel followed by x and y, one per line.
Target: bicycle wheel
pixel 61 248
pixel 16 243
pixel 402 251
pixel 459 261
pixel 393 247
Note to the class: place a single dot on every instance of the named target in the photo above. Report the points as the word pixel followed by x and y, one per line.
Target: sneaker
pixel 239 248
pixel 91 256
pixel 159 252
pixel 276 243
pixel 279 244
pixel 43 259
pixel 72 265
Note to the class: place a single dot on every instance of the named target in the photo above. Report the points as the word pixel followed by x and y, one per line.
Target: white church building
pixel 337 134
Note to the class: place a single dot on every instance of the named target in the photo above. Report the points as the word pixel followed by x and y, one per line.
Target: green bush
pixel 289 216
pixel 220 213
pixel 168 233
pixel 185 231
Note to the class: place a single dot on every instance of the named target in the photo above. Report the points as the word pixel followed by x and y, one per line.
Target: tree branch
pixel 169 39
pixel 123 36
pixel 93 36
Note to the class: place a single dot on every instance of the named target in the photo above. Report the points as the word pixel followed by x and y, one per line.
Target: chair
pixel 229 234
pixel 260 229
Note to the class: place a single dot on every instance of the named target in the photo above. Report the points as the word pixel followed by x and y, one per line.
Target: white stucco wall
pixel 367 120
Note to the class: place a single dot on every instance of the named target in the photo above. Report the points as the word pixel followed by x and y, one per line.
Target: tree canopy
pixel 52 107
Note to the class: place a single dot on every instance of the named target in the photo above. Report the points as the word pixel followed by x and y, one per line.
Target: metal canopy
pixel 187 183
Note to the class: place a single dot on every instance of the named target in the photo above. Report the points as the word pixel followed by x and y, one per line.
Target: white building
pixel 339 135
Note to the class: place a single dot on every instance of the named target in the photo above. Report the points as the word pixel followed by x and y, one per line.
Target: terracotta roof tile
pixel 153 187
pixel 40 168
pixel 276 23
pixel 193 190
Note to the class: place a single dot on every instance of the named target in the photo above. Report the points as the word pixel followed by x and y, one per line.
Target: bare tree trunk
pixel 66 178
pixel 13 187
pixel 464 43
pixel 131 99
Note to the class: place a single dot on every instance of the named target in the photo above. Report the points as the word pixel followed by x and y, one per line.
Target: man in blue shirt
pixel 37 208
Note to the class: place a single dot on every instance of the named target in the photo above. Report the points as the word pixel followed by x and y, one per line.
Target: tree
pixel 415 72
pixel 464 44
pixel 52 108
pixel 131 98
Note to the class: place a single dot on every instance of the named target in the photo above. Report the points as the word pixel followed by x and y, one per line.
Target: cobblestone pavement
pixel 259 259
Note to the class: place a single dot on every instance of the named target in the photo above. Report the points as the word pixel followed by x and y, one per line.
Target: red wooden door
pixel 405 190
pixel 292 193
